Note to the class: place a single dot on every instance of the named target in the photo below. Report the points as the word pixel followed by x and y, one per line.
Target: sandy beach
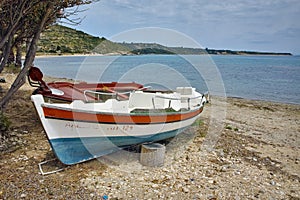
pixel 238 149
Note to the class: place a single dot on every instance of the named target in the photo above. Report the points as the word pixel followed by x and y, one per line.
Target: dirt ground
pixel 238 149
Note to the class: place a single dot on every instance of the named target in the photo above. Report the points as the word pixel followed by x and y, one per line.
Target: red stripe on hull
pixel 56 113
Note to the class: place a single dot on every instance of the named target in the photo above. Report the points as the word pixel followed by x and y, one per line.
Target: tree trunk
pixel 18 55
pixel 1 56
pixel 6 37
pixel 11 57
pixel 6 53
pixel 30 55
pixel 28 42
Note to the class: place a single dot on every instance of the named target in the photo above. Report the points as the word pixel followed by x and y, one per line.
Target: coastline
pixel 124 54
pixel 256 155
pixel 64 55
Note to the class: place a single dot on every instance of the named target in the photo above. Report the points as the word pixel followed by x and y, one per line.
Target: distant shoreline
pixel 122 54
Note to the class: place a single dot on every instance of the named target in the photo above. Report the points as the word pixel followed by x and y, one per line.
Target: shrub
pixel 12 69
pixel 228 127
pixel 4 123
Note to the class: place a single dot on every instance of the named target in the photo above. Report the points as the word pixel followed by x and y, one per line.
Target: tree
pixel 24 20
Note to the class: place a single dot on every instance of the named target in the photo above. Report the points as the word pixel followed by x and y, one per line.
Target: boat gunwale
pixel 47 105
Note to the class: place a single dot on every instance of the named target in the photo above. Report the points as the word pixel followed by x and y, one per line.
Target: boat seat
pixel 185 94
pixel 141 100
pixel 185 90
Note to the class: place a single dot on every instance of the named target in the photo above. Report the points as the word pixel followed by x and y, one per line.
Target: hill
pixel 60 39
pixel 63 40
pixel 153 48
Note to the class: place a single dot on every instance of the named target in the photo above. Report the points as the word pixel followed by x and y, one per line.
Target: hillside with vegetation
pixel 60 39
pixel 63 40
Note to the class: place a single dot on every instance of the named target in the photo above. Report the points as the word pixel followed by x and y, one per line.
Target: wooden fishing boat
pixel 84 130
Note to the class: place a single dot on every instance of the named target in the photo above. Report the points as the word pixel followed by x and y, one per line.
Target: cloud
pixel 234 23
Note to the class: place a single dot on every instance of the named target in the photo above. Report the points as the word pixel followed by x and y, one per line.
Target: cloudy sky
pixel 257 25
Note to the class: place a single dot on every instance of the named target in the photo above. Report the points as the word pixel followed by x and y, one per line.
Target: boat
pixel 67 91
pixel 85 129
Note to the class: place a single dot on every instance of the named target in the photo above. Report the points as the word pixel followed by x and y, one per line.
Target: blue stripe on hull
pixel 75 150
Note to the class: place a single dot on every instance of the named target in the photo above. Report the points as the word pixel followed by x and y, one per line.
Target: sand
pixel 238 149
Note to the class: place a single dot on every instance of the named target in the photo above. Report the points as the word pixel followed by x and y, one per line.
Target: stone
pixel 152 155
pixel 273 182
pixel 185 190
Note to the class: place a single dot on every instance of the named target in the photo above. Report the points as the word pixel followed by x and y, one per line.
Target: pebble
pixel 186 190
pixel 237 172
pixel 273 182
pixel 211 181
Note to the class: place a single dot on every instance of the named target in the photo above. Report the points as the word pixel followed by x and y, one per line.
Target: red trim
pixel 74 91
pixel 56 113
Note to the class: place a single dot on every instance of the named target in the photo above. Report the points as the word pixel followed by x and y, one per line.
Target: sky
pixel 255 25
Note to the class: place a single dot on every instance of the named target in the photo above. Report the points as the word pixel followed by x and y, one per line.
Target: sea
pixel 270 78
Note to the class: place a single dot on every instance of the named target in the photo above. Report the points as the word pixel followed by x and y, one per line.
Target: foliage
pixel 228 127
pixel 151 51
pixel 4 123
pixel 230 52
pixel 160 49
pixel 199 123
pixel 12 69
pixel 109 47
pixel 60 39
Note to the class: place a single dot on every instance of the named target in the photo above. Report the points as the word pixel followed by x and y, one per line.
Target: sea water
pixel 272 78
